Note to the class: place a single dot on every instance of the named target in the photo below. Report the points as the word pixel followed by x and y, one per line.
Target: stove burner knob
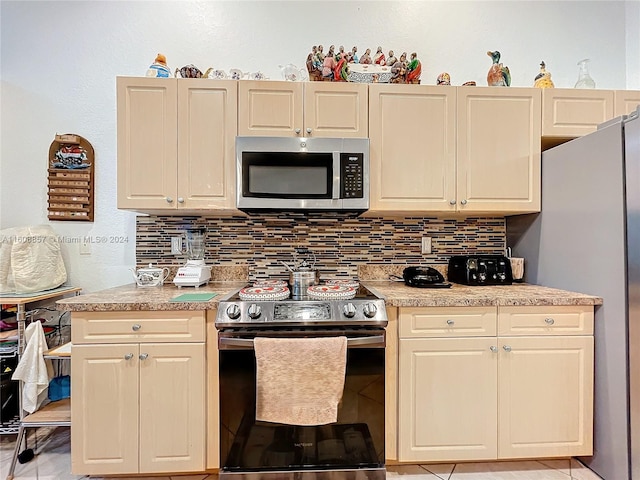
pixel 349 310
pixel 369 310
pixel 254 311
pixel 233 311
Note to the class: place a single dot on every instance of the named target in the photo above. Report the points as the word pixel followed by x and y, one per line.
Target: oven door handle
pixel 374 340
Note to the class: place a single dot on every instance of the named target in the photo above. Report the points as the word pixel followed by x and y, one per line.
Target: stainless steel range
pixel 353 446
pixel 365 308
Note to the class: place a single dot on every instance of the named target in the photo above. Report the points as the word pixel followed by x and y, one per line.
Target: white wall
pixel 59 61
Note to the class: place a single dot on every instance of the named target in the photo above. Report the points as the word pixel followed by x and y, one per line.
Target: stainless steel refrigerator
pixel 587 239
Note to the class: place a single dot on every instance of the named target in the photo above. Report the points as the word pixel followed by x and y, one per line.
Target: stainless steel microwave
pixel 288 173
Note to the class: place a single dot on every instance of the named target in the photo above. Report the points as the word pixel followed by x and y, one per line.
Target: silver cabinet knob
pixel 136 326
pixel 463 202
pixel 493 348
pixel 254 311
pixel 169 199
pixel 450 322
pixel 349 310
pixel 452 202
pixel 143 356
pixel 369 310
pixel 128 356
pixel 180 200
pixel 298 131
pixel 308 130
pixel 507 348
pixel 549 321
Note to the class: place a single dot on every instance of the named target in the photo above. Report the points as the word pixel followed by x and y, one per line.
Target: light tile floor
pixel 53 462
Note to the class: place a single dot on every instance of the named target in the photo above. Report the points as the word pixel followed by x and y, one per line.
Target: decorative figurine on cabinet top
pixel 414 69
pixel 159 67
pixel 543 79
pixel 443 79
pixel 498 75
pixel 191 71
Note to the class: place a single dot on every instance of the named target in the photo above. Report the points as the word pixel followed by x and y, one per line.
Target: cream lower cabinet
pixel 176 144
pixel 138 393
pixel 465 393
pixel 454 149
pixel 297 109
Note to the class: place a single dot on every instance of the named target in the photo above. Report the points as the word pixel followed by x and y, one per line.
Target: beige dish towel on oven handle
pixel 300 381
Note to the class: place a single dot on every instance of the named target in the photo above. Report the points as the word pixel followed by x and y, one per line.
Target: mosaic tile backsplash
pixel 340 242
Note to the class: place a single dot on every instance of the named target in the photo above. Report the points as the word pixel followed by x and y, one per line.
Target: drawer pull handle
pixel 507 348
pixel 143 356
pixel 136 327
pixel 450 322
pixel 128 356
pixel 493 348
pixel 549 321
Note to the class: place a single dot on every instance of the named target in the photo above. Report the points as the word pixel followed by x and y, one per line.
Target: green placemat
pixel 193 297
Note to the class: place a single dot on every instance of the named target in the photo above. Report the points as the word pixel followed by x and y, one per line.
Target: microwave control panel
pixel 351 175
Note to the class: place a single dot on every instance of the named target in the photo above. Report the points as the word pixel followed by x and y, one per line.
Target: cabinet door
pixel 545 397
pixel 447 399
pixel 336 109
pixel 270 108
pixel 570 113
pixel 104 409
pixel 207 126
pixel 626 101
pixel 412 137
pixel 498 150
pixel 172 407
pixel 147 143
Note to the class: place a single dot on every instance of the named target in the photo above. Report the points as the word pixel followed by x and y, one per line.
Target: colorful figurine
pixel 378 58
pixel 159 67
pixel 543 79
pixel 366 58
pixel 392 59
pixel 399 69
pixel 414 69
pixel 443 79
pixel 313 67
pixel 191 71
pixel 354 55
pixel 498 75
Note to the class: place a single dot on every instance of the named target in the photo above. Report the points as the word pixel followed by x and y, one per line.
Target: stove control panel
pixel 236 313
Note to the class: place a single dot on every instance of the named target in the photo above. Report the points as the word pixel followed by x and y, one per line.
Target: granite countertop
pixel 132 297
pixel 397 294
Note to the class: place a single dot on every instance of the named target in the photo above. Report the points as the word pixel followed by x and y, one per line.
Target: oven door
pixel 353 446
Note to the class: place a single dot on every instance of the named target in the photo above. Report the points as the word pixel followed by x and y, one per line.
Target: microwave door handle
pixel 336 176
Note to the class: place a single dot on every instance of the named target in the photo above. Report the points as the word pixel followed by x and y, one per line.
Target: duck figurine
pixel 499 75
pixel 543 79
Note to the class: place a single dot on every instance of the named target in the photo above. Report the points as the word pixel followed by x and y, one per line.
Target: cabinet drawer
pixel 137 327
pixel 544 320
pixel 447 322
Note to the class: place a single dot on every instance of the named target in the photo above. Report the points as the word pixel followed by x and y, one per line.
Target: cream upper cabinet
pixel 304 109
pixel 176 144
pixel 479 383
pixel 454 149
pixel 147 142
pixel 571 112
pixel 412 131
pixel 626 101
pixel 499 152
pixel 138 401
